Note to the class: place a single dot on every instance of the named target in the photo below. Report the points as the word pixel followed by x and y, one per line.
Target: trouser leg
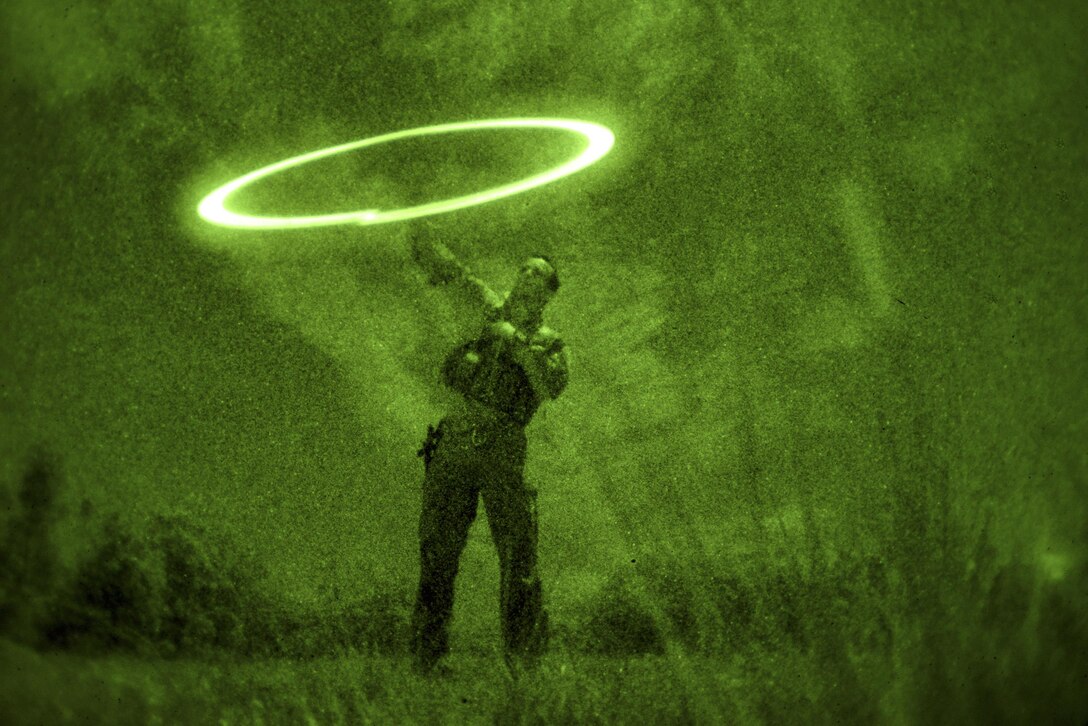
pixel 512 515
pixel 449 507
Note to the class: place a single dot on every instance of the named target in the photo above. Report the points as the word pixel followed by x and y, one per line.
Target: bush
pixel 618 621
pixel 660 601
pixel 28 562
pixel 175 591
pixel 855 637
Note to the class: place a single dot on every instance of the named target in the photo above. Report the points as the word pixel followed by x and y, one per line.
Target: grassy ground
pixel 164 629
pixel 62 688
pixel 795 687
pixel 169 626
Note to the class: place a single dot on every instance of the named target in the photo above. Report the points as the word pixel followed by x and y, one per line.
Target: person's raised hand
pixel 432 256
pixel 504 330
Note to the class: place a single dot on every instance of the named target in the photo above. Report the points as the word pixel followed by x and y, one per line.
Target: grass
pixel 170 627
pixel 60 687
pixel 924 674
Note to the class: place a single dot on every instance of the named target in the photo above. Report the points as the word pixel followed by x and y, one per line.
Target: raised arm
pixel 443 268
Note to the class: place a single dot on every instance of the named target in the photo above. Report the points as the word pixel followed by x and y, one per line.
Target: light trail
pixel 599 141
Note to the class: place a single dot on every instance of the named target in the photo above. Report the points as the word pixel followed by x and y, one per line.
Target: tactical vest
pixel 484 370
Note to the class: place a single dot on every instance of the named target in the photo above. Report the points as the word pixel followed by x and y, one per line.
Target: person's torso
pixel 485 372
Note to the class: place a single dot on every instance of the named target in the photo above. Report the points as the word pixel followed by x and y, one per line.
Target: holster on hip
pixel 430 443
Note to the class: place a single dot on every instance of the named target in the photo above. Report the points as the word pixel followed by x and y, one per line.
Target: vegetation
pixel 177 626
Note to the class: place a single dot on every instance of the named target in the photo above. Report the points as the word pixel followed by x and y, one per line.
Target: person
pixel 503 375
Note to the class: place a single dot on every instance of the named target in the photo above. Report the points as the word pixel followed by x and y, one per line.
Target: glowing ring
pixel 600 139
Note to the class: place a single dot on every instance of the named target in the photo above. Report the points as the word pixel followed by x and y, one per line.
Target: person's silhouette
pixel 478 450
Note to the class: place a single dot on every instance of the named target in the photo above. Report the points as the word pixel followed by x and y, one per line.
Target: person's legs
pixel 449 507
pixel 511 513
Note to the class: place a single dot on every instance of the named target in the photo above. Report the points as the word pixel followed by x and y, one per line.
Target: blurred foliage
pixel 962 633
pixel 28 569
pixel 169 588
pixel 173 590
pixel 984 646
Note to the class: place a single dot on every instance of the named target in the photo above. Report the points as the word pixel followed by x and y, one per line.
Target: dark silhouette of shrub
pixel 659 600
pixel 205 588
pixel 168 589
pixel 176 591
pixel 619 621
pixel 114 602
pixel 27 555
pixel 699 607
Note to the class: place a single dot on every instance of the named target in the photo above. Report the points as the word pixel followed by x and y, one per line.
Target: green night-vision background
pixel 822 456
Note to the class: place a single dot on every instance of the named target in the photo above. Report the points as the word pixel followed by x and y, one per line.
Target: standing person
pixel 478 450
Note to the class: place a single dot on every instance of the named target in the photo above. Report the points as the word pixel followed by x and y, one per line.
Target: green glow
pixel 213 207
